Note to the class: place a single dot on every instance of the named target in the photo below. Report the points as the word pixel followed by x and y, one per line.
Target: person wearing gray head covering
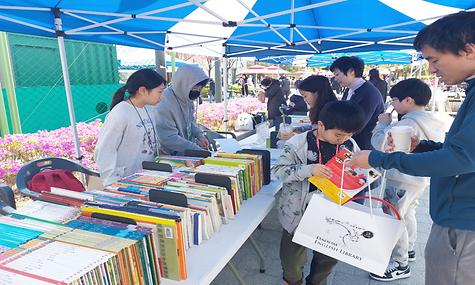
pixel 176 123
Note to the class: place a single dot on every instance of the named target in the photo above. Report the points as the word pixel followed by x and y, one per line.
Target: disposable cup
pixel 285 131
pixel 402 137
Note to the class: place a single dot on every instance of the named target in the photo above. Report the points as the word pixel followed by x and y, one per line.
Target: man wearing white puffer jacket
pixel 409 98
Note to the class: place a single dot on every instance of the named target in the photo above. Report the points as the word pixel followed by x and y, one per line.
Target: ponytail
pixel 118 96
pixel 147 78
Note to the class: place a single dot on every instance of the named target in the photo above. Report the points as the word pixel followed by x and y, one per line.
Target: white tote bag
pixel 352 233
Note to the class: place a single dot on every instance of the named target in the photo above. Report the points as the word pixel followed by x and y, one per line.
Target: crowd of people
pixel 447 158
pixel 146 118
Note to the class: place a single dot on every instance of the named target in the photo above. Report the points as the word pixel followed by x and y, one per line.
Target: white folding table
pixel 204 262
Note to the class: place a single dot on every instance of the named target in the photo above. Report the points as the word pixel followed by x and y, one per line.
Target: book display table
pixel 208 259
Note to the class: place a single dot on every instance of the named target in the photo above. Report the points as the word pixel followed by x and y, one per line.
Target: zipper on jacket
pixel 451 192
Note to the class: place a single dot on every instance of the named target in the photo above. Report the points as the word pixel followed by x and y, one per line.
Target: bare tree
pixel 210 64
pixel 231 63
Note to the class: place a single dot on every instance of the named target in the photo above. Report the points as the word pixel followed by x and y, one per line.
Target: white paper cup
pixel 285 131
pixel 402 137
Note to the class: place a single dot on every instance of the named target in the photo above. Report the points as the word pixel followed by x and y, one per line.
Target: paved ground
pixel 268 238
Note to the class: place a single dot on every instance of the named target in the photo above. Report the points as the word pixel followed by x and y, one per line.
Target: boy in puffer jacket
pixel 305 155
pixel 409 98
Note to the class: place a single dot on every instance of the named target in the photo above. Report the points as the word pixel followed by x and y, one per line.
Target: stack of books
pixel 134 231
pixel 85 252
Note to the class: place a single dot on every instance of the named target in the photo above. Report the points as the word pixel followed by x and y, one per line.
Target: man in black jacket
pixel 348 72
pixel 274 95
pixel 378 83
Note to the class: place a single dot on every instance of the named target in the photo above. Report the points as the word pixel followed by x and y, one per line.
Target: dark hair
pixel 346 63
pixel 320 85
pixel 413 88
pixel 374 74
pixel 147 78
pixel 448 34
pixel 266 81
pixel 342 115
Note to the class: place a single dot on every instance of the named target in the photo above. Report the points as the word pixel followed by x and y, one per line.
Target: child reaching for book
pixel 305 155
pixel 128 135
pixel 409 98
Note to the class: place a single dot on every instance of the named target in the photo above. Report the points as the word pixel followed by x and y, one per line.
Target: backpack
pixel 43 181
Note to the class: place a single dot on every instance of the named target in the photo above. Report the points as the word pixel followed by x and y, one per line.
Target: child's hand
pixel 321 170
pixel 389 147
pixel 385 118
pixel 414 142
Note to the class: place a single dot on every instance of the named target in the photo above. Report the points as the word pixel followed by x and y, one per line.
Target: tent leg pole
pixel 226 92
pixel 6 69
pixel 67 83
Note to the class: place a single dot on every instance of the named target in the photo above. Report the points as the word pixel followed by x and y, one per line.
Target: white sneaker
pixel 393 272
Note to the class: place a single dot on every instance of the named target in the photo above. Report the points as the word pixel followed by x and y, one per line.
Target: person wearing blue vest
pixel 449 46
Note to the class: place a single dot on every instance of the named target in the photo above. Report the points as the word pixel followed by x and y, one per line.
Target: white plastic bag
pixel 244 122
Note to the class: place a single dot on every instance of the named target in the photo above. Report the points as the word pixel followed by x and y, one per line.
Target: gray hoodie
pixel 426 125
pixel 176 125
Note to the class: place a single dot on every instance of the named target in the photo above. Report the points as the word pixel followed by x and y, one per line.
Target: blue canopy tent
pixel 369 58
pixel 91 21
pixel 275 28
pixel 186 25
pixel 280 59
pixel 249 27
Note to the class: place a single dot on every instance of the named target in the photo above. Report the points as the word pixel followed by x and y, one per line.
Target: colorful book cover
pixel 257 165
pixel 354 179
pixel 170 239
pixel 236 163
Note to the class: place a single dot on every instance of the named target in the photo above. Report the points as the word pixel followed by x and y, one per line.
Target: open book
pixel 354 179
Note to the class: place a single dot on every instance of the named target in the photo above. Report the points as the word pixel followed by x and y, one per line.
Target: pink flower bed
pixel 16 150
pixel 211 115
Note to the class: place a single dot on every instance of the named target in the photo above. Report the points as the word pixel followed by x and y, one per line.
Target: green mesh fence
pixel 94 73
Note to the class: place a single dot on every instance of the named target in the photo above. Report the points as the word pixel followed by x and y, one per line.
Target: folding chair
pixel 7 199
pixel 28 170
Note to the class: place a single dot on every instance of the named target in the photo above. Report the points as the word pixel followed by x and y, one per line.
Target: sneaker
pixel 393 272
pixel 412 255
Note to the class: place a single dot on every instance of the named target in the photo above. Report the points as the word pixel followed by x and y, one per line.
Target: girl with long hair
pixel 128 135
pixel 317 92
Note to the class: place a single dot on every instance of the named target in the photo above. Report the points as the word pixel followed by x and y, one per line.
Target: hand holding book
pixel 342 173
pixel 321 170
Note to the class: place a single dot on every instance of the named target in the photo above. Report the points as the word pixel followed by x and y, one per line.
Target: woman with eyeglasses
pixel 176 121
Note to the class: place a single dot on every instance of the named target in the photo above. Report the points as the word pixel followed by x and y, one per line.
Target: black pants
pixel 293 258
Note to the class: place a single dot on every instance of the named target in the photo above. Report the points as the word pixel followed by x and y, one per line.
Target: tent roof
pixel 310 26
pixel 248 27
pixel 259 69
pixel 369 58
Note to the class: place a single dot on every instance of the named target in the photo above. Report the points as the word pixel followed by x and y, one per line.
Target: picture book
pixel 354 179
